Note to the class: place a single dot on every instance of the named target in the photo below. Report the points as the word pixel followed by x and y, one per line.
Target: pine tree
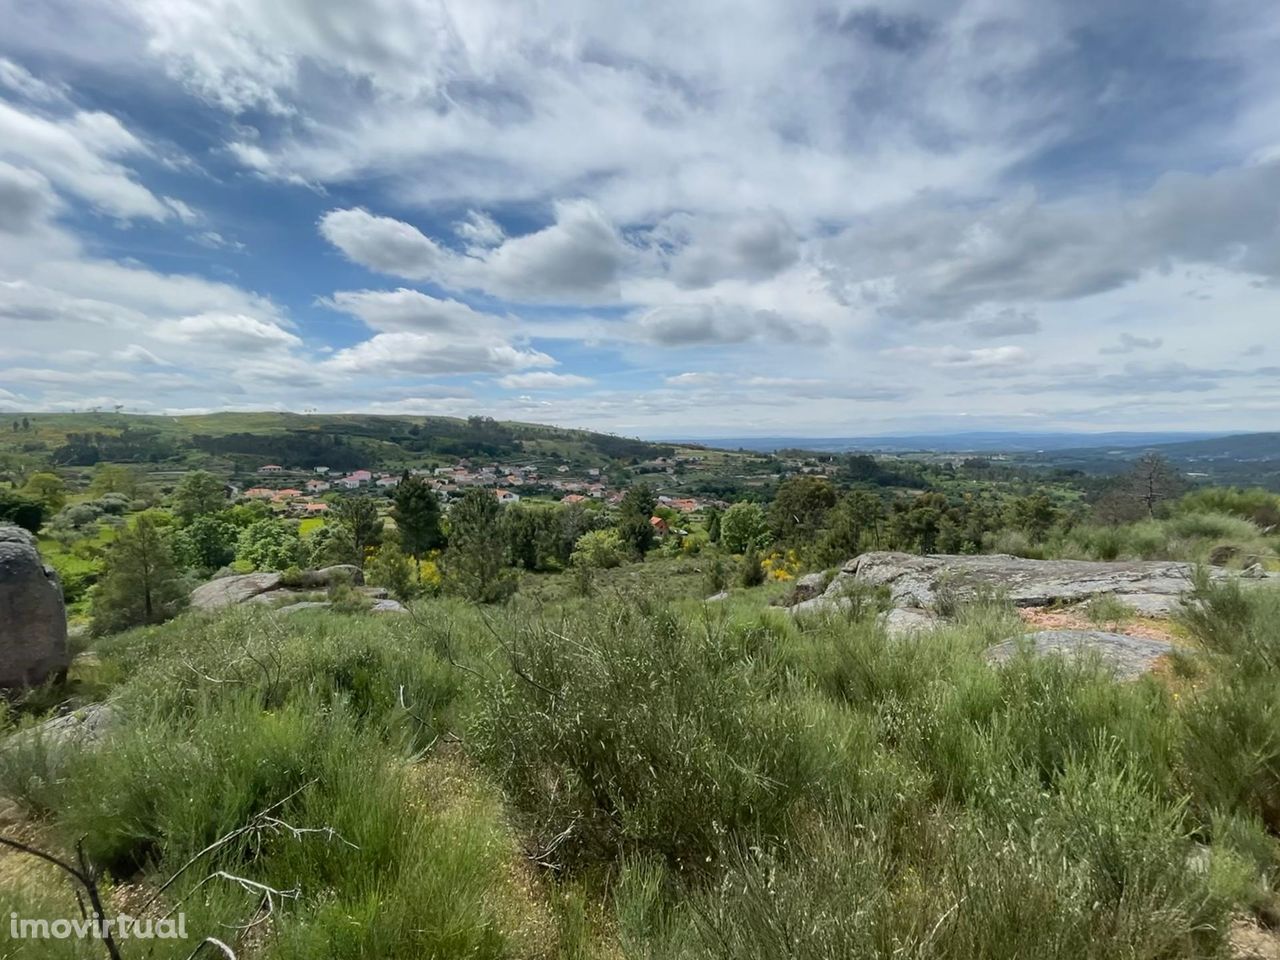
pixel 417 516
pixel 636 510
pixel 358 516
pixel 473 564
pixel 140 582
pixel 198 493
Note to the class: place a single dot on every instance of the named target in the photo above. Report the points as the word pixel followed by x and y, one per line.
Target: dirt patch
pixel 1248 941
pixel 1074 618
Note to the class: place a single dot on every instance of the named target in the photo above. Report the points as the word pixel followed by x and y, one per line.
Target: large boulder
pixel 1150 587
pixel 269 588
pixel 228 591
pixel 1127 657
pixel 328 576
pixel 33 618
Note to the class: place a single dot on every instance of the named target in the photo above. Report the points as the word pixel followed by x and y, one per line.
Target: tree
pixel 916 524
pixel 197 494
pixel 743 528
pixel 22 510
pixel 140 583
pixel 599 550
pixel 49 489
pixel 206 543
pixel 634 528
pixel 751 573
pixel 1034 515
pixel 713 524
pixel 269 544
pixel 853 521
pixel 392 568
pixel 574 521
pixel 531 535
pixel 473 563
pixel 1149 483
pixel 800 509
pixel 1152 481
pixel 358 516
pixel 417 516
pixel 116 478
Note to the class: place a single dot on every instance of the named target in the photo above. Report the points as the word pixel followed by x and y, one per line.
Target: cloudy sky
pixel 665 219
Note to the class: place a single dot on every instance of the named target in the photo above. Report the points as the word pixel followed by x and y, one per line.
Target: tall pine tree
pixel 417 516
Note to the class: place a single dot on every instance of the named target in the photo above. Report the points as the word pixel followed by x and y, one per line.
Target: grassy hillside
pixel 341 441
pixel 643 777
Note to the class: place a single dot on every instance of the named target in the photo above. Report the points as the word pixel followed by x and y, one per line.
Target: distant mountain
pixel 975 442
pixel 1240 446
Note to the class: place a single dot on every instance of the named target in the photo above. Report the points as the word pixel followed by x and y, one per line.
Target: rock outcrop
pixel 252 587
pixel 1127 657
pixel 1151 588
pixel 33 618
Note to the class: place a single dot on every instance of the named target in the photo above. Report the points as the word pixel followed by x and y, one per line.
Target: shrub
pixel 627 734
pixel 743 527
pixel 598 550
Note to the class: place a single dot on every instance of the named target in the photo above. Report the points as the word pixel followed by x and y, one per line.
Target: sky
pixel 787 217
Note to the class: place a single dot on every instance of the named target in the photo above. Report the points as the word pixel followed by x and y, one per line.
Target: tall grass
pixel 621 776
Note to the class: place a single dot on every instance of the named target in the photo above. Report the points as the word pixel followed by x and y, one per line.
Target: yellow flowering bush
pixel 781 565
pixel 429 574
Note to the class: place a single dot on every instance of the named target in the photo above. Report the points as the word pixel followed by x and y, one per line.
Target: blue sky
pixel 663 219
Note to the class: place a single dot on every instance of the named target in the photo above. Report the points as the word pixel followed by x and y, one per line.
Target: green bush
pixel 624 734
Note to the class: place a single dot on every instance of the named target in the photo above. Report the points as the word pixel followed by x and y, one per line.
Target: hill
pixel 339 441
pixel 969 442
pixel 1246 459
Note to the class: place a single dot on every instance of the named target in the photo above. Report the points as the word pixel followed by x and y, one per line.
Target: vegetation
pixel 142 584
pixel 474 561
pixel 635 776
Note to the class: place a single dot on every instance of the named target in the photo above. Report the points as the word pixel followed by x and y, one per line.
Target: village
pixel 307 493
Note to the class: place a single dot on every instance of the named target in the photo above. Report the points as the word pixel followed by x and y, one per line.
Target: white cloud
pixel 720 323
pixel 80 155
pixel 384 244
pixel 428 354
pixel 139 355
pixel 404 309
pixel 578 257
pixel 543 380
pixel 26 199
pixel 980 358
pixel 21 81
pixel 236 332
pixel 479 231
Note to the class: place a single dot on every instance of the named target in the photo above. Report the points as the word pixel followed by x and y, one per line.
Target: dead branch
pixel 85 874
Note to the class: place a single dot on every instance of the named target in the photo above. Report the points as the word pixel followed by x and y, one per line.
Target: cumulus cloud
pixel 383 244
pixel 479 231
pixel 26 199
pixel 937 261
pixel 577 257
pixel 718 323
pixel 750 246
pixel 980 358
pixel 409 354
pixel 404 309
pixel 543 380
pixel 80 154
pixel 231 331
